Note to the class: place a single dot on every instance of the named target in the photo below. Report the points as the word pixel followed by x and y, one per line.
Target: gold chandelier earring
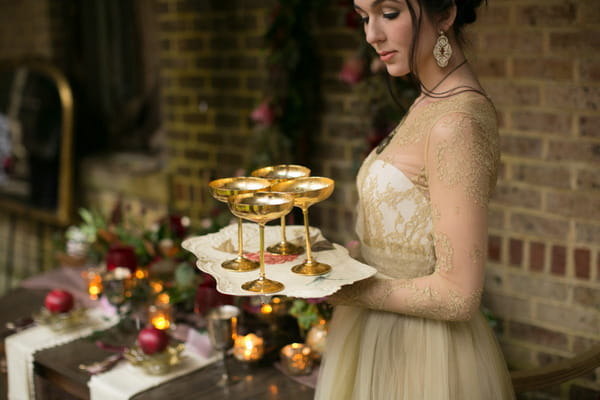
pixel 442 51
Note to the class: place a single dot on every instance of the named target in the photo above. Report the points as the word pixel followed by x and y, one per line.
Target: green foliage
pixel 309 313
pixel 293 86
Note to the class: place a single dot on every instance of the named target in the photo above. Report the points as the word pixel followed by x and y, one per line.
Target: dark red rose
pixel 121 256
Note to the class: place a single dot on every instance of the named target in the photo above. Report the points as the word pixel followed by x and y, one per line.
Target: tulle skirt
pixel 376 355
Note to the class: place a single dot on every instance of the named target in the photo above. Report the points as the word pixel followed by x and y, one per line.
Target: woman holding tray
pixel 414 330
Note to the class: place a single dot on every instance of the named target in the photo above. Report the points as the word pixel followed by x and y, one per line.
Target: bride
pixel 414 331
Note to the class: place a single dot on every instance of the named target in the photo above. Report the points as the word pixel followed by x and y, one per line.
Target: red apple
pixel 152 340
pixel 59 301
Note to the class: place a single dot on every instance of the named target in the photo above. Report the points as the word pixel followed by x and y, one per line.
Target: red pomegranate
pixel 59 301
pixel 152 340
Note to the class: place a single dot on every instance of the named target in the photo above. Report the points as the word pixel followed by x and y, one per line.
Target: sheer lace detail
pixel 422 216
pixel 478 154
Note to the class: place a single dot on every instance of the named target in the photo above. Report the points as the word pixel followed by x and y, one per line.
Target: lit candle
pixel 160 315
pixel 297 359
pixel 248 348
pixel 94 283
pixel 157 286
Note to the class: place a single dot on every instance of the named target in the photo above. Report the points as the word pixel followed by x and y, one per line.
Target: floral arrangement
pixel 157 248
pixel 289 108
pixel 309 312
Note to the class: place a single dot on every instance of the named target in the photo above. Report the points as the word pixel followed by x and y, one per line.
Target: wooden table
pixel 58 376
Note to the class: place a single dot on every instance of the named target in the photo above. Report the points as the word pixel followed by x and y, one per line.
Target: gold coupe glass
pixel 222 189
pixel 276 174
pixel 307 191
pixel 261 207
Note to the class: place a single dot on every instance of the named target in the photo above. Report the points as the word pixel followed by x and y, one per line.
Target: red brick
pixel 551 69
pixel 515 252
pixel 552 14
pixel 538 335
pixel 558 264
pixel 582 259
pixel 495 248
pixel 536 256
pixel 543 122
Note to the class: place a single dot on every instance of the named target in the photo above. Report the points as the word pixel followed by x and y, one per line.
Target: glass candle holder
pixel 297 359
pixel 249 348
pixel 160 315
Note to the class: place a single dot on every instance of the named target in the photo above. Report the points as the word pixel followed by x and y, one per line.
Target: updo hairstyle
pixel 465 11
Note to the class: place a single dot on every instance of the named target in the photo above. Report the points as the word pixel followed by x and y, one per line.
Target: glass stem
pixel 309 259
pixel 262 251
pixel 225 367
pixel 283 238
pixel 240 239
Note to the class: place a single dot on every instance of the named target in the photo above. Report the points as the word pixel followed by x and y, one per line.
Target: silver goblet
pixel 222 322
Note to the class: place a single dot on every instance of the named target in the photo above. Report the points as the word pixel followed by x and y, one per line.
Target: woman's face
pixel 389 29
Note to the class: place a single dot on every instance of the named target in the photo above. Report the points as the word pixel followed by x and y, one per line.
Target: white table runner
pixel 21 347
pixel 124 381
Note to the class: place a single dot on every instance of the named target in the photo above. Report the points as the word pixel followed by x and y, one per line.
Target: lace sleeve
pixel 461 164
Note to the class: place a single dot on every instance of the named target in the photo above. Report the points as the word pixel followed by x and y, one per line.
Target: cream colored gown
pixel 414 331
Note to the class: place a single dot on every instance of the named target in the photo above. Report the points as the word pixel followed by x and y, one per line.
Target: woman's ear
pixel 446 19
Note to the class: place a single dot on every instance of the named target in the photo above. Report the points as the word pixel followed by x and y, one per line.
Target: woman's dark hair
pixel 465 14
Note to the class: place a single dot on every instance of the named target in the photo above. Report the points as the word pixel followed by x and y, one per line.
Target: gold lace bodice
pixel 422 211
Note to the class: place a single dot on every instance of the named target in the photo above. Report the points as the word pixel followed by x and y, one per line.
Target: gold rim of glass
pixel 223 188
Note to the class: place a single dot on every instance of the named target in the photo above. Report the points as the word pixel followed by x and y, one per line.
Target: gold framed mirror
pixel 36 142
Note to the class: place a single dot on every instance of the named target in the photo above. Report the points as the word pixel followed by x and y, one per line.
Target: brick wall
pixel 212 68
pixel 539 61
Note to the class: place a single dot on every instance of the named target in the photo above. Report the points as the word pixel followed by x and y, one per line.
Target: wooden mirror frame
pixel 63 213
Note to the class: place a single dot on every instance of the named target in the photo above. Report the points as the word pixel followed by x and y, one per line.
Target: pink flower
pixel 353 70
pixel 263 114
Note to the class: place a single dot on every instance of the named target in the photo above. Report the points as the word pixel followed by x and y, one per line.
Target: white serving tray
pixel 214 248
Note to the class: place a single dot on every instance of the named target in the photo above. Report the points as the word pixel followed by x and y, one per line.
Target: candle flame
pixel 163 298
pixel 161 322
pixel 266 309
